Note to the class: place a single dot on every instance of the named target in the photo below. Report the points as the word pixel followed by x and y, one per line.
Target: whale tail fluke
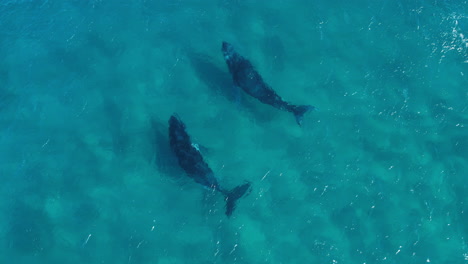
pixel 235 194
pixel 300 111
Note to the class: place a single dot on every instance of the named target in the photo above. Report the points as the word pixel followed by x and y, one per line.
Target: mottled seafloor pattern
pixel 377 175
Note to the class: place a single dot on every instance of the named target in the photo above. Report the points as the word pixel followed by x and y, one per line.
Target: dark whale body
pixel 191 160
pixel 246 77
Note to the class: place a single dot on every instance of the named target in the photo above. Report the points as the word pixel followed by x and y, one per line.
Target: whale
pixel 248 79
pixel 191 161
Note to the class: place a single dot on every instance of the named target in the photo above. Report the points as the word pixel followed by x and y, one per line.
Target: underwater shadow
pixel 163 156
pixel 215 78
pixel 220 83
pixel 29 230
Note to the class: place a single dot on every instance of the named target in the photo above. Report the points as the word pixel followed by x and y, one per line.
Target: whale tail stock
pixel 235 194
pixel 299 112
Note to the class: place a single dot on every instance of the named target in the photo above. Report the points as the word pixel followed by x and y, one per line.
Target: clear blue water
pixel 377 175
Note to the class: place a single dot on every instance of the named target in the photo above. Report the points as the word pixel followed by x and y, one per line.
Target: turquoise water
pixel 376 175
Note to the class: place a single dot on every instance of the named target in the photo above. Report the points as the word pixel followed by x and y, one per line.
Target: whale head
pixel 228 50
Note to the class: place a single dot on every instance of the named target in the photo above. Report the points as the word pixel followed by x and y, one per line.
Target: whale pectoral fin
pixel 200 148
pixel 203 149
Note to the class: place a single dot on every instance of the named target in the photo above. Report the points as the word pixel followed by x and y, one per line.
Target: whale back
pixel 188 156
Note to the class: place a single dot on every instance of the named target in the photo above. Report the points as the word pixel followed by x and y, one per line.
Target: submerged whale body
pixel 246 77
pixel 191 161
